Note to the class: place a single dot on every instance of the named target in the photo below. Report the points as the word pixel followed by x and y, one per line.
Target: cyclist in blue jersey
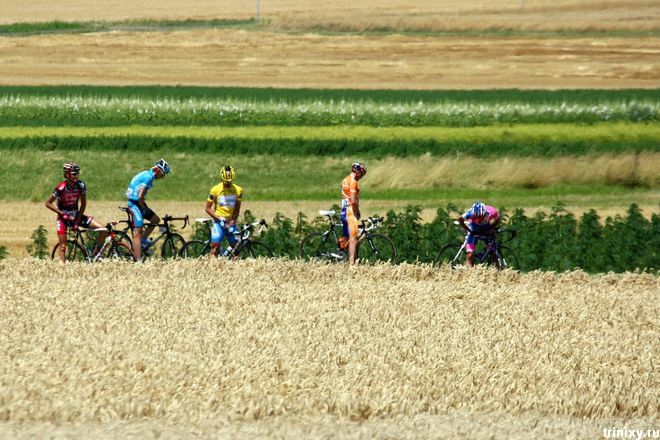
pixel 136 193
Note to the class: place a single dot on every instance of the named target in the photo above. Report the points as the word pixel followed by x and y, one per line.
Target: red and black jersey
pixel 67 195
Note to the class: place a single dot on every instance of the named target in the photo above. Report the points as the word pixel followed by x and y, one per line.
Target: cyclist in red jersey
pixel 71 203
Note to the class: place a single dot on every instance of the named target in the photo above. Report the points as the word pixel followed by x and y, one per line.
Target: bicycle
pixel 245 246
pixel 79 250
pixel 173 242
pixel 372 247
pixel 495 253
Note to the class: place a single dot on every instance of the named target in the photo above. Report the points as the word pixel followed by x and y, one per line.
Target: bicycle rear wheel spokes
pixel 119 251
pixel 254 249
pixel 318 246
pixel 376 247
pixel 451 254
pixel 172 246
pixel 195 249
pixel 74 251
pixel 507 259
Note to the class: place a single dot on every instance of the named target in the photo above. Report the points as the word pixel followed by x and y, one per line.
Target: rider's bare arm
pixel 49 205
pixel 209 210
pixel 141 194
pixel 237 211
pixel 355 205
pixel 461 221
pixel 83 206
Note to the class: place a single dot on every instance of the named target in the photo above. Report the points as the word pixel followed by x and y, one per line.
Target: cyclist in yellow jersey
pixel 350 207
pixel 224 206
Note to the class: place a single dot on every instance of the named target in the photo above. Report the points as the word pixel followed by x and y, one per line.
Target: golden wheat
pixel 214 347
pixel 369 14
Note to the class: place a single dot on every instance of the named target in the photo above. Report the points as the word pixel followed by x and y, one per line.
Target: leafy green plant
pixel 3 252
pixel 39 246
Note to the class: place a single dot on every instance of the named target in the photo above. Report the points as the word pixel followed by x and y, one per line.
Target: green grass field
pixel 516 148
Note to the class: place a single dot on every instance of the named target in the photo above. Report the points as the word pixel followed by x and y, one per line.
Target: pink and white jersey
pixel 493 214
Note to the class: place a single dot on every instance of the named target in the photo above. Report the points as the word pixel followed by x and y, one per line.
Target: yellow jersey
pixel 225 199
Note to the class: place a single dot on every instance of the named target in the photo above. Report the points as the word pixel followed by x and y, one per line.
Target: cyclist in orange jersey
pixel 350 207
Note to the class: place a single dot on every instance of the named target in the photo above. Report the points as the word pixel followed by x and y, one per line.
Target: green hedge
pixel 556 242
pixel 514 146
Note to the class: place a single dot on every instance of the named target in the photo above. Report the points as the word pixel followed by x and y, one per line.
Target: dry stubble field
pixel 274 348
pixel 286 52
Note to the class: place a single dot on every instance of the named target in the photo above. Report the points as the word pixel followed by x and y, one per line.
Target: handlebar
pixel 169 218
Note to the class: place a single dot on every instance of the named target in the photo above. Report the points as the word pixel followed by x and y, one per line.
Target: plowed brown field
pixel 275 348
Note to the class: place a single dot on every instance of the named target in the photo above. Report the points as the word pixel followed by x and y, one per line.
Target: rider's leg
pixel 217 234
pixel 137 240
pixel 90 222
pixel 352 234
pixel 154 220
pixel 138 223
pixel 469 250
pixel 61 238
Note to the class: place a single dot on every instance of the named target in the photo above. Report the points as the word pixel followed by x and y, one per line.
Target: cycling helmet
pixel 71 167
pixel 227 173
pixel 479 210
pixel 359 168
pixel 163 166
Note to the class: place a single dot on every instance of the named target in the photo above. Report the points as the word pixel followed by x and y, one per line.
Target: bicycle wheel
pixel 376 247
pixel 119 251
pixel 74 251
pixel 195 249
pixel 319 246
pixel 254 249
pixel 507 259
pixel 172 246
pixel 451 254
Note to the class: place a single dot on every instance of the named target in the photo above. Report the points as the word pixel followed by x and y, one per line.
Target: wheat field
pixel 287 50
pixel 429 15
pixel 281 349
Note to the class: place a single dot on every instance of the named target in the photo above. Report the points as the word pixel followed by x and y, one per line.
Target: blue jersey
pixel 143 180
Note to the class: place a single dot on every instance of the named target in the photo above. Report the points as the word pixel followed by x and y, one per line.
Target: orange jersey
pixel 349 186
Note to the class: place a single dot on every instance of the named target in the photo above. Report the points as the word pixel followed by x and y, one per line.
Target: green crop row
pixel 544 141
pixel 265 94
pixel 165 25
pixel 558 241
pixel 30 110
pixel 52 27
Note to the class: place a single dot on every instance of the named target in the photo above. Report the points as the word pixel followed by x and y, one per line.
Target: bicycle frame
pixel 365 229
pixel 243 236
pixel 79 238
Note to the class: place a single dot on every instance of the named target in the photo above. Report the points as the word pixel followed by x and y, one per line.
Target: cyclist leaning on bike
pixel 71 196
pixel 136 194
pixel 224 205
pixel 480 222
pixel 350 208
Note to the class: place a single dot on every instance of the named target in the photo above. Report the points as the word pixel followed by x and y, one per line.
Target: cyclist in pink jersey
pixel 480 221
pixel 71 196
